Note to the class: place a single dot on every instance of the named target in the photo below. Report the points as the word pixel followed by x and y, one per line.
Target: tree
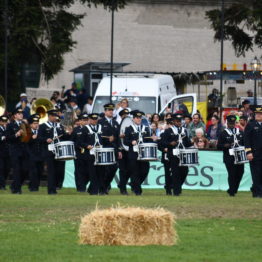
pixel 243 25
pixel 40 32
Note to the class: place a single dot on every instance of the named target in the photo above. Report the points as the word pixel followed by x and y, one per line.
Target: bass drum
pixel 126 122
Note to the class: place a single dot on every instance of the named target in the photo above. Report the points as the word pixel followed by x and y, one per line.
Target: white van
pixel 149 93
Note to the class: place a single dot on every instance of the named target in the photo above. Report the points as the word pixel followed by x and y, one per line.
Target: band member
pixel 36 163
pixel 164 158
pixel 229 138
pixel 4 153
pixel 81 169
pixel 50 133
pixel 253 145
pixel 17 151
pixel 176 137
pixel 134 135
pixel 90 138
pixel 110 130
pixel 124 174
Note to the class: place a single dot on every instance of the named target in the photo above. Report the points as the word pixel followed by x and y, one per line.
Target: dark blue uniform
pixel 18 155
pixel 235 172
pixel 36 163
pixel 179 173
pixel 4 157
pixel 138 169
pixel 54 167
pixel 96 172
pixel 253 144
pixel 110 128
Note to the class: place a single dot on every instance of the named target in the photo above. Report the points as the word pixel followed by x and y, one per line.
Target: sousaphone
pixel 41 106
pixel 2 105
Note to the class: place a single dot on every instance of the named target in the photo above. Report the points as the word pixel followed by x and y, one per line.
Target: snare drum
pixel 147 152
pixel 188 157
pixel 240 155
pixel 64 150
pixel 104 156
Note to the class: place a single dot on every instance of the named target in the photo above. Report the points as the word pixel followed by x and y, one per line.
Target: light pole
pixel 255 66
pixel 112 47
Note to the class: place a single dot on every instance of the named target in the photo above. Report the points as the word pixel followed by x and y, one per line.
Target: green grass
pixel 212 227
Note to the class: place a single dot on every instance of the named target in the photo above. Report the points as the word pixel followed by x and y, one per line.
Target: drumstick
pixel 105 136
pixel 150 137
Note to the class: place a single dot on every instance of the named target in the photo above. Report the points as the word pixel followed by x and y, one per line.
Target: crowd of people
pixel 26 145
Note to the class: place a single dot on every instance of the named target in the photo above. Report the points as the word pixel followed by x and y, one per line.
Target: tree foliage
pixel 41 31
pixel 242 26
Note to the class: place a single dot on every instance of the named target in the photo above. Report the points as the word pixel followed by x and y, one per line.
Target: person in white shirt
pixel 88 106
pixel 122 105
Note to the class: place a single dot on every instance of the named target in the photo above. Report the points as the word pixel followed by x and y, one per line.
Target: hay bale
pixel 130 226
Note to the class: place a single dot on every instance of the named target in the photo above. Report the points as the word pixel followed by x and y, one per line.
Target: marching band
pixel 100 145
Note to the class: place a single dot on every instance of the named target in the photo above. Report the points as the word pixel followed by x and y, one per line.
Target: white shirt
pixel 87 109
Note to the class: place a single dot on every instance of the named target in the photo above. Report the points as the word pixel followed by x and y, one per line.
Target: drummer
pixel 110 130
pixel 135 134
pixel 124 174
pixel 49 133
pixel 164 159
pixel 226 141
pixel 176 137
pixel 91 137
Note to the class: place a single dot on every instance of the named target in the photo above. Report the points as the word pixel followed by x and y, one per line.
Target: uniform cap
pixel 3 118
pixel 83 116
pixel 231 118
pixel 17 111
pixel 23 94
pixel 33 119
pixel 177 116
pixel 109 106
pixel 137 114
pixel 124 112
pixel 94 116
pixel 258 110
pixel 52 112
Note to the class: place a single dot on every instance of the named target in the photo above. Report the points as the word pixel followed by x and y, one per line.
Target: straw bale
pixel 128 226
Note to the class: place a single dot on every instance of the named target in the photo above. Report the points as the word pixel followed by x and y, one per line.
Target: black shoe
pixel 124 192
pixel 168 192
pixel 52 193
pixel 17 192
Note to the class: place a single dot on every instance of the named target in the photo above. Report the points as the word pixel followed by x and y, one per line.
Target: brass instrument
pixel 2 105
pixel 41 106
pixel 27 132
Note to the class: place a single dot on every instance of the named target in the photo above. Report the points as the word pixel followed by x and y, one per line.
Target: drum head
pixel 126 122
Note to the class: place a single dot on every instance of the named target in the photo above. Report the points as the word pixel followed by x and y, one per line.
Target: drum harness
pixel 51 147
pixel 180 139
pixel 140 137
pixel 97 143
pixel 230 133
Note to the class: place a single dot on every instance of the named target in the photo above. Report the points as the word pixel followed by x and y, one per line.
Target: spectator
pixel 196 123
pixel 249 93
pixel 187 121
pixel 24 105
pixel 72 92
pixel 59 102
pixel 242 123
pixel 247 111
pixel 74 106
pixel 88 106
pixel 119 107
pixel 82 98
pixel 213 131
pixel 213 99
pixel 155 118
pixel 155 130
pixel 199 140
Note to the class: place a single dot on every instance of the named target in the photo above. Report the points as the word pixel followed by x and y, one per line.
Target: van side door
pixel 186 103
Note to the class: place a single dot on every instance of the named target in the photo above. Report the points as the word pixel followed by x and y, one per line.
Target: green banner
pixel 210 174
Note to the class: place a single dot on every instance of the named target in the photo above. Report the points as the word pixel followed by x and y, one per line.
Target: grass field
pixel 211 227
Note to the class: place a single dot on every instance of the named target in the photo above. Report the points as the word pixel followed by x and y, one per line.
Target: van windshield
pixel 144 104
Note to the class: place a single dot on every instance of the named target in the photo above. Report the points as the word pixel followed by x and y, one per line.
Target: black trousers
pixel 168 178
pixel 60 173
pixel 97 177
pixel 82 174
pixel 35 173
pixel 124 173
pixel 179 174
pixel 20 172
pixel 235 174
pixel 53 173
pixel 256 173
pixel 4 170
pixel 138 173
pixel 110 172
